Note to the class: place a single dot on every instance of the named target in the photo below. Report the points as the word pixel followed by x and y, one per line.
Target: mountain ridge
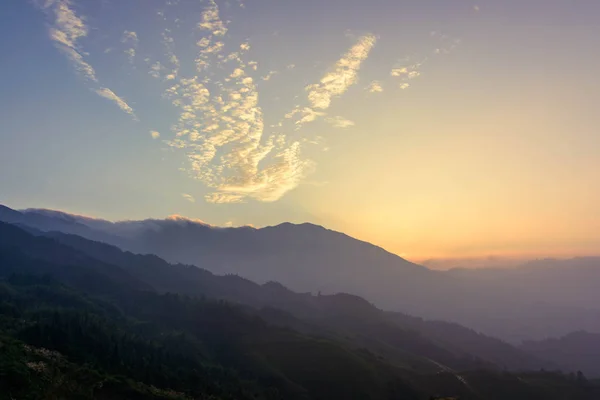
pixel 312 258
pixel 333 316
pixel 177 218
pixel 320 314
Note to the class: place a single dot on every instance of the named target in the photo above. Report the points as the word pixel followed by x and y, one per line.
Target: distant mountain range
pixel 575 351
pixel 84 319
pixel 534 302
pixel 327 315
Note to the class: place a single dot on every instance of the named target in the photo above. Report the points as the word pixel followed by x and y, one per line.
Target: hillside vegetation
pixel 73 326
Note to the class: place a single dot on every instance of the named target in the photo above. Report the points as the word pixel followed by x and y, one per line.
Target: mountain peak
pixel 52 213
pixel 303 225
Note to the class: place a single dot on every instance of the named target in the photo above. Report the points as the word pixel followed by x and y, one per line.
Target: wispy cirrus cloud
pixel 269 75
pixel 211 20
pixel 223 134
pixel 344 74
pixel 405 71
pixel 110 95
pixel 156 70
pixel 446 44
pixel 220 123
pixel 130 39
pixel 168 69
pixel 408 72
pixel 188 197
pixel 335 83
pixel 283 174
pixel 66 31
pixel 375 87
pixel 303 115
pixel 340 122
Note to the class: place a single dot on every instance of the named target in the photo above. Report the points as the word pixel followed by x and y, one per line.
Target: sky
pixel 451 132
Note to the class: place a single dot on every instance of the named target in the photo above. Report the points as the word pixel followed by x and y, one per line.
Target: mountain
pixel 48 220
pixel 335 316
pixel 305 258
pixel 21 252
pixel 532 303
pixel 559 296
pixel 574 279
pixel 576 351
pixel 67 330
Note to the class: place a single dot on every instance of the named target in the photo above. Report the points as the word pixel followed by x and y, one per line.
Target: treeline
pixel 180 344
pixel 55 340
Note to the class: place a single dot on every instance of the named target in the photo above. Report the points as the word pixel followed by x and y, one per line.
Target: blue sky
pixel 393 120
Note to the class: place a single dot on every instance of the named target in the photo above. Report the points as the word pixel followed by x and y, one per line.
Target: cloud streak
pixel 219 122
pixel 340 122
pixel 335 83
pixel 66 31
pixel 269 75
pixel 188 197
pixel 343 76
pixel 110 95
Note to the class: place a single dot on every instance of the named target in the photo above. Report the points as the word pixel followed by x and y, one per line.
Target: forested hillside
pixel 340 316
pixel 73 326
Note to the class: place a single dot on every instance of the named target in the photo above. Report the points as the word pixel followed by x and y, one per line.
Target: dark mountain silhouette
pixel 334 316
pixel 316 312
pixel 48 220
pixel 115 335
pixel 29 253
pixel 530 304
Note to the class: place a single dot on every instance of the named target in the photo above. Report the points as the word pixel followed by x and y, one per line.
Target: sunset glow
pixel 448 130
